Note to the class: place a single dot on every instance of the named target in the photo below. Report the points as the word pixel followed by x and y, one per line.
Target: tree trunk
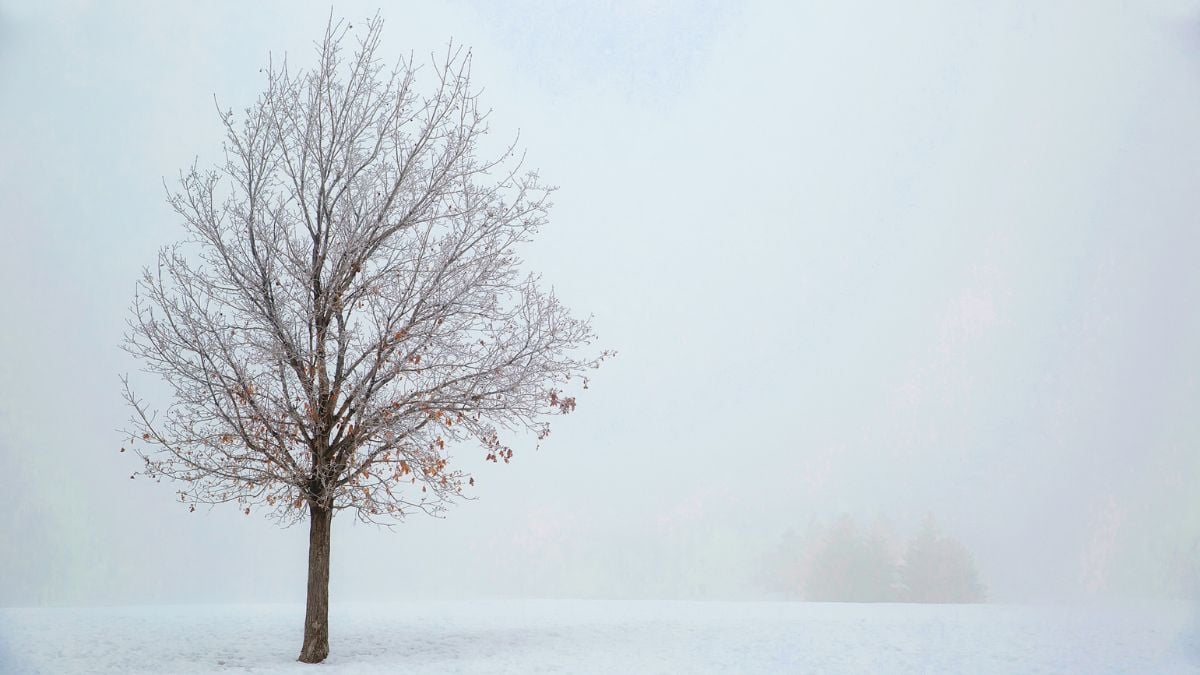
pixel 316 616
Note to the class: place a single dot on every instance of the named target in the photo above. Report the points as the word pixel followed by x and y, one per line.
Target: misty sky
pixel 856 258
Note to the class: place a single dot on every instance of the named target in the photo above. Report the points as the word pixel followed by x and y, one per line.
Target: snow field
pixel 555 636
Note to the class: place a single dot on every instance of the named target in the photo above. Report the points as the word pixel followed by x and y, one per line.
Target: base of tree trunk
pixel 314 652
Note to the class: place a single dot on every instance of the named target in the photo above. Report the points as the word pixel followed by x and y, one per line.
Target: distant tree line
pixel 844 562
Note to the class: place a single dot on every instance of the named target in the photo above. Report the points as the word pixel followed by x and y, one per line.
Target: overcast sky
pixel 883 259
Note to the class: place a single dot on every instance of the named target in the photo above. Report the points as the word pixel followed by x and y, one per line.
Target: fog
pixel 858 260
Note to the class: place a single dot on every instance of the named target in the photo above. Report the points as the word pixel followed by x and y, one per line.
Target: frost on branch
pixel 347 303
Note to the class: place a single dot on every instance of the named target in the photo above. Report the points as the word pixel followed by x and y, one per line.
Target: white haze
pixel 883 259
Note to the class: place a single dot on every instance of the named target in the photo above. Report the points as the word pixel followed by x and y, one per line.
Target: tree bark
pixel 316 617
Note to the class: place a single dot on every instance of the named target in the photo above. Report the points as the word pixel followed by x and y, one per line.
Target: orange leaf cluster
pixel 503 453
pixel 244 393
pixel 403 469
pixel 565 404
pixel 435 468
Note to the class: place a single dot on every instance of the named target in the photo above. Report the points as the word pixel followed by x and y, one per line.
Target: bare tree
pixel 348 304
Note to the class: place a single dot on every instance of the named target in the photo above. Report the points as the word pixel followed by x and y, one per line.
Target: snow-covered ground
pixel 605 637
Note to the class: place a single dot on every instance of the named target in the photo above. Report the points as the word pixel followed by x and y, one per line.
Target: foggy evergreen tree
pixel 843 562
pixel 850 566
pixel 784 569
pixel 938 568
pixel 347 304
